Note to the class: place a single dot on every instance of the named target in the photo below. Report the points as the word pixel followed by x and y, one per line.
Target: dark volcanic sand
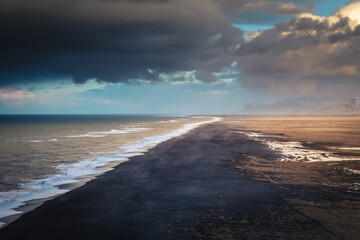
pixel 190 187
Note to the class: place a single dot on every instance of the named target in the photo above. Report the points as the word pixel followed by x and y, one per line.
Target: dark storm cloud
pixel 122 40
pixel 265 12
pixel 308 55
pixel 267 6
pixel 113 41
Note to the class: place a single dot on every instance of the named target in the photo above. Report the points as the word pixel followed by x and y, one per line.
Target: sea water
pixel 39 154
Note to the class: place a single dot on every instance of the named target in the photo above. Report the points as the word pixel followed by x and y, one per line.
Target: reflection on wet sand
pixel 297 151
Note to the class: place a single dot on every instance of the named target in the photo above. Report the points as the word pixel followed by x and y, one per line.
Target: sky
pixel 175 57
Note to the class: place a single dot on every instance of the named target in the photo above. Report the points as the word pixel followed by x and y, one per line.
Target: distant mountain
pixel 350 106
pixel 346 107
pixel 283 107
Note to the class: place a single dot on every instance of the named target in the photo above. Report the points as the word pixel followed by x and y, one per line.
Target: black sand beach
pixel 196 186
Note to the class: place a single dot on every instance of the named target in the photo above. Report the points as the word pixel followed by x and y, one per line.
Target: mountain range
pixel 347 107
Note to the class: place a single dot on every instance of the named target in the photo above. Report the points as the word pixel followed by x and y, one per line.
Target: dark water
pixel 38 153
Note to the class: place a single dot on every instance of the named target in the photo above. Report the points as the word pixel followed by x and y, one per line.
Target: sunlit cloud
pixel 12 97
pixel 7 94
pixel 308 55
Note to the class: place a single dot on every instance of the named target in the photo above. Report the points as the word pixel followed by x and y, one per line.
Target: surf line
pixel 50 187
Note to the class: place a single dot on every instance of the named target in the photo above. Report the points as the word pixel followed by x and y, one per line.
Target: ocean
pixel 42 156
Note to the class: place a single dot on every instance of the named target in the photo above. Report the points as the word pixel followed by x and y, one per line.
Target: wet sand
pixel 211 183
pixel 326 130
pixel 324 190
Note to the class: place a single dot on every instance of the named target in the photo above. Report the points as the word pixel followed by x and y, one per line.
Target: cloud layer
pixel 135 40
pixel 113 41
pixel 122 40
pixel 308 55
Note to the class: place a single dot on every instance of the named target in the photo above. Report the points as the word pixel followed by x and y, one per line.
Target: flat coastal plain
pixel 217 182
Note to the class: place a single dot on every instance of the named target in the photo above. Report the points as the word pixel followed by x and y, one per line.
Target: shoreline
pixel 135 149
pixel 192 186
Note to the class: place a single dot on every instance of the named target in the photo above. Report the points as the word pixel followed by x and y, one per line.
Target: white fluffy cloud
pixel 351 10
pixel 308 55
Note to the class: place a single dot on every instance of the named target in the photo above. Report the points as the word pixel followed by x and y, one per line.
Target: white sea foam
pixel 86 135
pixel 106 133
pixel 170 121
pixel 40 141
pixel 49 187
pixel 115 131
pixel 295 151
